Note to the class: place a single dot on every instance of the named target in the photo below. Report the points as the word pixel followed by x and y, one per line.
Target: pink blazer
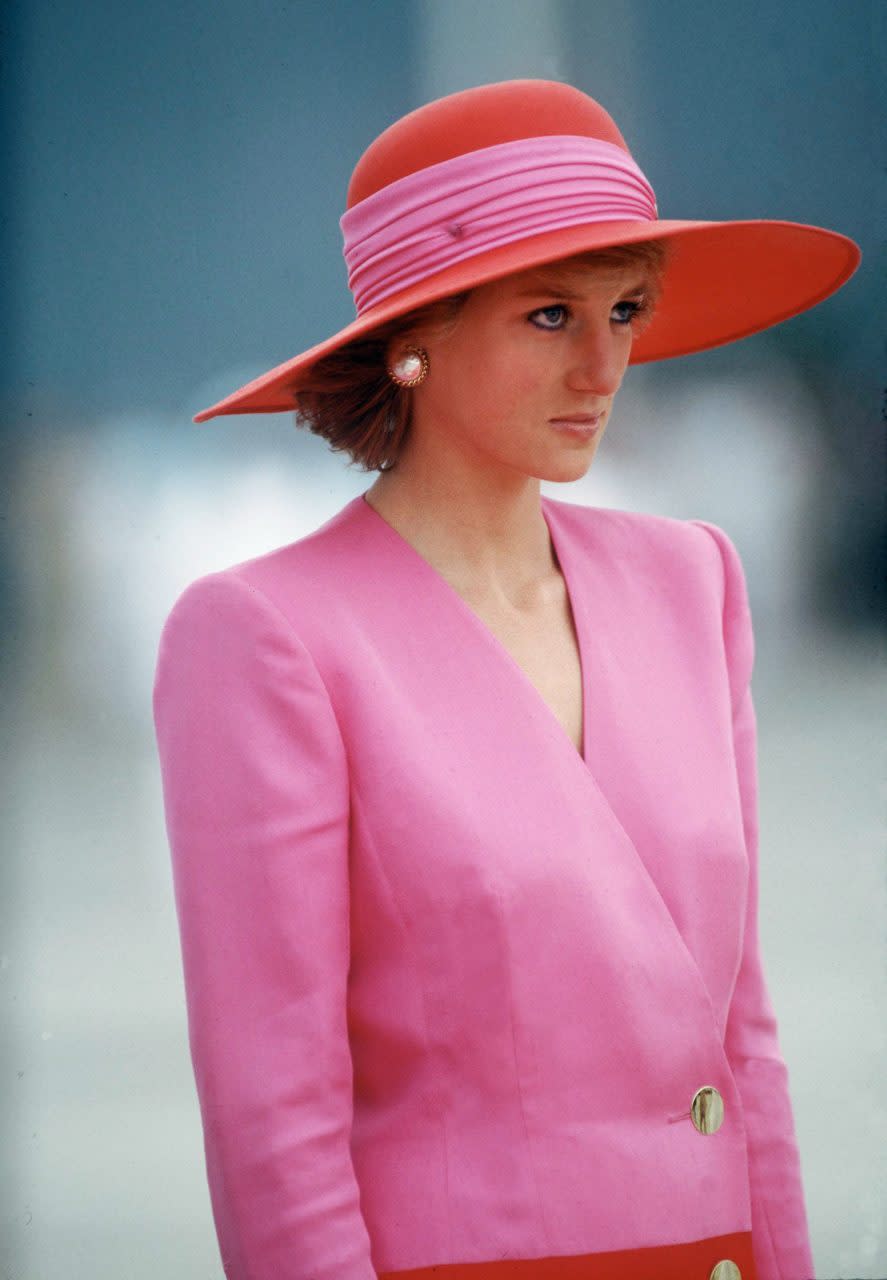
pixel 452 986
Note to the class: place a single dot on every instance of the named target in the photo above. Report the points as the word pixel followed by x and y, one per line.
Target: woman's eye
pixel 634 310
pixel 555 317
pixel 550 317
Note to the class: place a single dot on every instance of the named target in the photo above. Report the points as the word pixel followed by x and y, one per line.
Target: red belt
pixel 693 1261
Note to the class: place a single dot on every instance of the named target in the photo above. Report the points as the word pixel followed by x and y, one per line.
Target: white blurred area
pixel 113 521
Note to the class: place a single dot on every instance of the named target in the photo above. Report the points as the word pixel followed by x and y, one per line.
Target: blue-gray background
pixel 177 172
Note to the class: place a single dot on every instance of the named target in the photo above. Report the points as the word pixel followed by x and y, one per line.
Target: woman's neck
pixel 487 541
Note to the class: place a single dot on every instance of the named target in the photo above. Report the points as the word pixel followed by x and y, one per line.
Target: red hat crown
pixel 474 119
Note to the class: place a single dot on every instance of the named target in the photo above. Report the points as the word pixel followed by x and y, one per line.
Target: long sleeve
pixel 255 787
pixel 779 1221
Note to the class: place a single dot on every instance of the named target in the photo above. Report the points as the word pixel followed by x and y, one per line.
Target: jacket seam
pixel 355 801
pixel 734 707
pixel 291 631
pixel 358 802
pixel 520 1092
pixel 772 1238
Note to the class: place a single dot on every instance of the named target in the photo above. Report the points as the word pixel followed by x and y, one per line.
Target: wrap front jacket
pixel 452 986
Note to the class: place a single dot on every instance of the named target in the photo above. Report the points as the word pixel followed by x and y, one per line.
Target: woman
pixel 461 788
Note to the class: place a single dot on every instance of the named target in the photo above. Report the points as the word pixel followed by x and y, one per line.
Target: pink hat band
pixel 450 211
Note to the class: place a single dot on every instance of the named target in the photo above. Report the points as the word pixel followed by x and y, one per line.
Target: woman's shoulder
pixel 686 568
pixel 305 574
pixel 322 584
pixel 617 533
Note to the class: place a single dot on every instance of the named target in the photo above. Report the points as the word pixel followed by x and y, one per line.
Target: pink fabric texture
pixel 451 985
pixel 450 211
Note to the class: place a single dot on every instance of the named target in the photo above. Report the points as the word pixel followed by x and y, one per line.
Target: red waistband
pixel 692 1261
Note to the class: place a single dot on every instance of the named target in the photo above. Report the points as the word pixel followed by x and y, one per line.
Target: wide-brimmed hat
pixel 504 177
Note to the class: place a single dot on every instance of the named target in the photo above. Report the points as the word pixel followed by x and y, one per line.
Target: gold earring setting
pixel 410 368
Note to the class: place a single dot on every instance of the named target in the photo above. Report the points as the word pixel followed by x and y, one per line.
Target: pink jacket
pixel 451 986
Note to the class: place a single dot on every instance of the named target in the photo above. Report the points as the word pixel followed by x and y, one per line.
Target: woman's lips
pixel 583 425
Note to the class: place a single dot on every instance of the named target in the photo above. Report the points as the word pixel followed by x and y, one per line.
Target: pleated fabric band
pixel 692 1261
pixel 453 210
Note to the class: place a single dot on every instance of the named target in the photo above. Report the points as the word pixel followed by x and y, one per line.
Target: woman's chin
pixel 564 470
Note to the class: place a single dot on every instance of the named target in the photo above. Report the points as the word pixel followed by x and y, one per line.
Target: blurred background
pixel 176 173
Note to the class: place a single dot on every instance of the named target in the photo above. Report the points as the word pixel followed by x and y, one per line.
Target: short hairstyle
pixel 348 398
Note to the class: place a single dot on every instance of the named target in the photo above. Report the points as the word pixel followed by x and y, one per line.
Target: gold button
pixel 707 1111
pixel 725 1270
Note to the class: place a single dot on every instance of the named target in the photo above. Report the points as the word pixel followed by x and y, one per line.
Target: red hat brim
pixel 724 281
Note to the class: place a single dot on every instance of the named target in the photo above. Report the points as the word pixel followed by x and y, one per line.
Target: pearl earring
pixel 411 368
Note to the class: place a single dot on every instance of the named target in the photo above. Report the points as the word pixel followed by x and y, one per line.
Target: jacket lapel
pixel 438 614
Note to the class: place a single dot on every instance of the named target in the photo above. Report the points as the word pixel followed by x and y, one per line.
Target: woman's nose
pixel 599 363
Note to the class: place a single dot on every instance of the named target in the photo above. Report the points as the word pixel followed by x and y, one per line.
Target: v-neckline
pixel 493 640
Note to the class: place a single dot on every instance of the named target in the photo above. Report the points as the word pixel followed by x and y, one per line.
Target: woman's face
pixel 532 360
